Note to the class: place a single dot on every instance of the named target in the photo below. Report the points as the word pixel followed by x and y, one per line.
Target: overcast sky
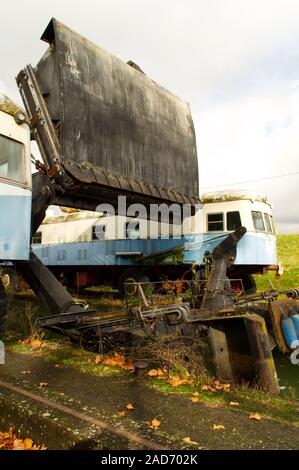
pixel 235 61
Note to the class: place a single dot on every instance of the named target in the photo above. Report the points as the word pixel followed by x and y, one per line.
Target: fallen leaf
pixel 221 386
pixel 9 441
pixel 43 384
pixel 155 424
pixel 234 403
pixel 118 360
pixel 195 394
pixel 217 427
pixel 176 381
pixel 255 416
pixel 120 413
pixel 97 360
pixel 156 373
pixel 187 440
pixel 35 343
pixel 225 387
pixel 130 406
pixel 194 399
pixel 128 366
pixel 25 372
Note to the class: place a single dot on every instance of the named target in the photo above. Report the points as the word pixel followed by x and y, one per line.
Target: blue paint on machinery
pixel 252 249
pixel 289 332
pixel 295 319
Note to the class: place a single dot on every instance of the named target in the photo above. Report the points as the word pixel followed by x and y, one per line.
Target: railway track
pixel 131 438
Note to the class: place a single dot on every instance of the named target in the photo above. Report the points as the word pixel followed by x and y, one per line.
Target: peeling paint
pixel 73 65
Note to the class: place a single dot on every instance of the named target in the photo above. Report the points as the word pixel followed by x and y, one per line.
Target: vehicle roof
pixel 233 195
pixel 8 106
pixel 80 215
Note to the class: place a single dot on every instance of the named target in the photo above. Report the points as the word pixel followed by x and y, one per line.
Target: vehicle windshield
pixel 268 223
pixel 258 221
pixel 12 164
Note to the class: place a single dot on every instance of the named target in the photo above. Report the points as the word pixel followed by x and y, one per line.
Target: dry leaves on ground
pixel 255 416
pixel 120 414
pixel 155 424
pixel 194 399
pixel 217 385
pixel 43 384
pixel 35 343
pixel 26 372
pixel 176 380
pixel 9 441
pixel 130 406
pixel 220 386
pixel 234 403
pixel 218 427
pixel 156 373
pixel 97 359
pixel 118 360
pixel 187 440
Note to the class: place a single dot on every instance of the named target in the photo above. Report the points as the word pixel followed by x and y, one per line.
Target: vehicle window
pixel 12 164
pixel 258 221
pixel 45 251
pixel 132 230
pixel 233 220
pixel 268 222
pixel 60 255
pixel 215 222
pixel 37 238
pixel 82 254
pixel 272 224
pixel 98 232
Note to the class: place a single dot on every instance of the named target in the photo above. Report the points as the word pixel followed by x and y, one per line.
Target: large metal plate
pixel 112 118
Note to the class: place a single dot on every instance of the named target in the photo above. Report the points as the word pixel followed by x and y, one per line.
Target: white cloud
pixel 253 138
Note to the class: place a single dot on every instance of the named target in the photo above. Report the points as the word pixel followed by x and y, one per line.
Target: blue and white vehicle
pixel 86 248
pixel 15 182
pixel 89 248
pixel 15 189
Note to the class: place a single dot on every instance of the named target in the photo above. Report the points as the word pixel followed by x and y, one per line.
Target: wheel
pixel 249 284
pixel 130 276
pixel 3 309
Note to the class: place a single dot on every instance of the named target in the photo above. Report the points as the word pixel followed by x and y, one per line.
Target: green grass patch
pixel 62 353
pixel 280 409
pixel 288 255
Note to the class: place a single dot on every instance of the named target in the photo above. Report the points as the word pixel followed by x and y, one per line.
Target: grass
pixel 62 353
pixel 288 255
pixel 281 409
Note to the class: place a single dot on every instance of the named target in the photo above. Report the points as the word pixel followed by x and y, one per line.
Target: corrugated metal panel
pixel 116 127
